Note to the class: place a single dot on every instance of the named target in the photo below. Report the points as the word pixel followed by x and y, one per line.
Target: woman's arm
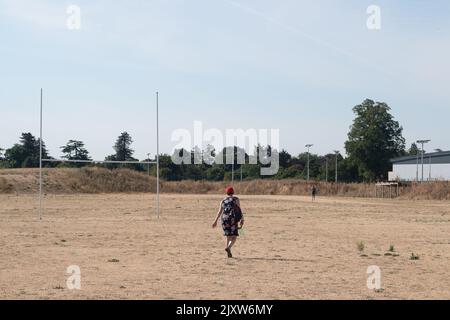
pixel 219 213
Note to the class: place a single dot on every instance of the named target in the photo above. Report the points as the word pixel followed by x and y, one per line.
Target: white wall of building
pixel 407 172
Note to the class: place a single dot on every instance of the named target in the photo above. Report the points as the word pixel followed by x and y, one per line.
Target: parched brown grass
pixel 101 180
pixel 84 180
pixel 5 187
pixel 291 248
pixel 429 191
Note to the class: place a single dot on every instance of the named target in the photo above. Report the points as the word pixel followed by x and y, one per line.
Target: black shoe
pixel 228 250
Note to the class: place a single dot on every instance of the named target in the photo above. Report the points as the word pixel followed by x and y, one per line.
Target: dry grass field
pixel 291 248
pixel 101 180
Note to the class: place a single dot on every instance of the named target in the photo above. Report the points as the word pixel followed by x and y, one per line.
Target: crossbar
pixel 99 161
pixel 95 161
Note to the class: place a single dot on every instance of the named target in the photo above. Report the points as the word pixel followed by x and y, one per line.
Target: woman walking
pixel 231 213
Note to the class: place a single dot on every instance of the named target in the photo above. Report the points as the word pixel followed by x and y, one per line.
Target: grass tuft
pixel 360 246
pixel 414 256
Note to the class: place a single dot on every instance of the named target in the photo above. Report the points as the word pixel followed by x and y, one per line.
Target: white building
pixel 436 166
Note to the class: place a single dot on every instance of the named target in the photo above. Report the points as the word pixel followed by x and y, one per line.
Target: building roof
pixel 436 158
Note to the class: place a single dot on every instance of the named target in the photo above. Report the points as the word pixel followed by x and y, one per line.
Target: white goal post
pixel 41 161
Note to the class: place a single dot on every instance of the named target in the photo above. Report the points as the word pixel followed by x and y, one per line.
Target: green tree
pixel 347 171
pixel 26 153
pixel 123 148
pixel 168 169
pixel 193 172
pixel 285 159
pixel 238 158
pixel 2 159
pixel 251 171
pixel 413 150
pixel 30 149
pixel 15 156
pixel 300 163
pixel 293 171
pixel 374 138
pixel 75 150
pixel 322 170
pixel 215 173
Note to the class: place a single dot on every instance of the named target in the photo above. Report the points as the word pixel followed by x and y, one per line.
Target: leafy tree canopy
pixel 25 154
pixel 75 150
pixel 413 150
pixel 123 148
pixel 374 139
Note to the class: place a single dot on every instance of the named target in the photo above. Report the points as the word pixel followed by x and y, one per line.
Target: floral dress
pixel 229 223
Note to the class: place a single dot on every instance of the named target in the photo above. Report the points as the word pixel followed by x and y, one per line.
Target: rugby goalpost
pixel 41 160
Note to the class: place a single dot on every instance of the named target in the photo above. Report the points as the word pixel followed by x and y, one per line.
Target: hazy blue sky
pixel 299 66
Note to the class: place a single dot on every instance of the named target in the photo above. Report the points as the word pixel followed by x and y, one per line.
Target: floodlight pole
pixel 417 166
pixel 40 160
pixel 232 165
pixel 326 169
pixel 422 142
pixel 157 154
pixel 429 172
pixel 337 153
pixel 422 161
pixel 307 175
pixel 232 170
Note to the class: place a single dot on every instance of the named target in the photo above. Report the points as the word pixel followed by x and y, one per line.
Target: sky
pixel 297 66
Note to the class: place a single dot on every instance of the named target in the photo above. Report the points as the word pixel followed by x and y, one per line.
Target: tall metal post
pixel 326 170
pixel 417 166
pixel 422 142
pixel 336 165
pixel 157 154
pixel 429 172
pixel 422 161
pixel 40 160
pixel 307 174
pixel 232 171
pixel 336 178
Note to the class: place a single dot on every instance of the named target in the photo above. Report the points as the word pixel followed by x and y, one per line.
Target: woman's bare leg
pixel 231 241
pixel 228 246
pixel 228 242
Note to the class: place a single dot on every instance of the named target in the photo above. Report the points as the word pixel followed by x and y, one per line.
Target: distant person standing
pixel 313 192
pixel 231 213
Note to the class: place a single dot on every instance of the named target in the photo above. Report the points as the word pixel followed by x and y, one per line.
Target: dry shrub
pixel 272 187
pixel 428 191
pixel 5 187
pixel 101 180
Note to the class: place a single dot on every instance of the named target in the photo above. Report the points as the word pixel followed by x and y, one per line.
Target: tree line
pixel 374 138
